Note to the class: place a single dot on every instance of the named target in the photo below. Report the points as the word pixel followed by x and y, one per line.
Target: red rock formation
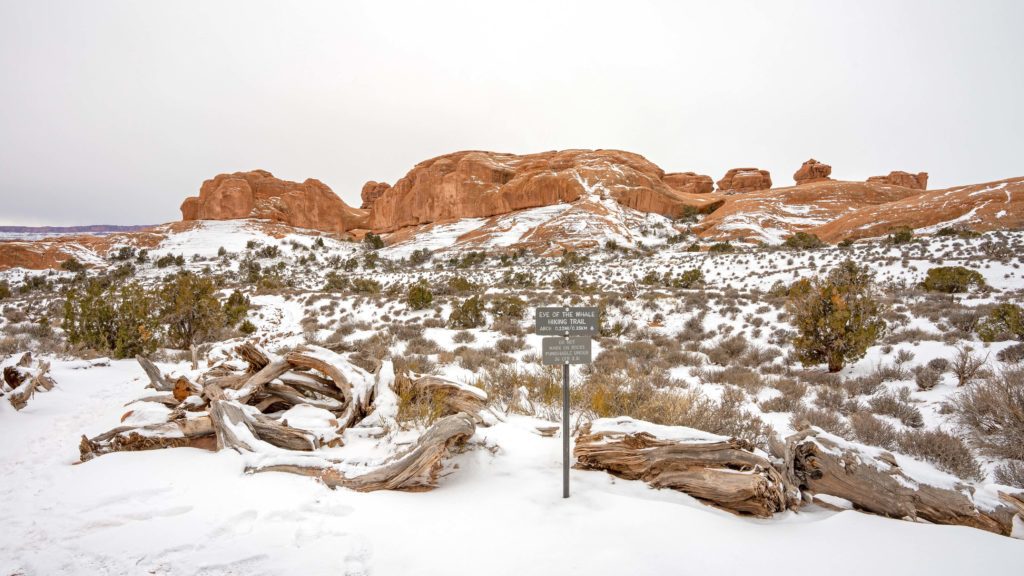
pixel 257 194
pixel 689 182
pixel 917 181
pixel 476 184
pixel 812 171
pixel 745 180
pixel 371 191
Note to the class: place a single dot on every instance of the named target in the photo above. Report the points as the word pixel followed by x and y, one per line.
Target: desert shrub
pixel 721 248
pixel 828 398
pixel 891 405
pixel 116 320
pixel 509 345
pixel 419 296
pixel 940 365
pixel 945 451
pixel 837 317
pixel 828 420
pixel 469 314
pixel 5 290
pixel 247 327
pixel 688 279
pixel 567 280
pixel 992 411
pixel 952 279
pixel 792 391
pixel 417 363
pixel 508 307
pixel 369 352
pixel 873 431
pixel 901 235
pixel 927 378
pixel 474 359
pixel 728 350
pixel 236 307
pixel 189 309
pixel 170 260
pixel 365 286
pixel 1004 322
pixel 966 365
pixel 72 265
pixel 739 376
pixel 803 241
pixel 373 241
pixel 463 337
pixel 1011 354
pixel 459 285
pixel 335 282
pixel 1010 473
pixel 421 345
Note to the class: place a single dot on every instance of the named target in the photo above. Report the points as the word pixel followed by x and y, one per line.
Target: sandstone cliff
pixel 258 194
pixel 476 184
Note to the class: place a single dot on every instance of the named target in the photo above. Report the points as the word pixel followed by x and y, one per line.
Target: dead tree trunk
pixel 414 469
pixel 156 379
pixel 194 432
pixel 725 474
pixel 872 481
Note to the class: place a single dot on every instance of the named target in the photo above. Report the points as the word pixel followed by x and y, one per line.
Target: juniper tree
pixel 837 317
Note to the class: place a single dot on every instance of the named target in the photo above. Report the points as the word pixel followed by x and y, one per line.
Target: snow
pixel 188 511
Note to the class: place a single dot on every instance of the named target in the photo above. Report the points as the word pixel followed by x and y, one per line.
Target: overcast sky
pixel 113 112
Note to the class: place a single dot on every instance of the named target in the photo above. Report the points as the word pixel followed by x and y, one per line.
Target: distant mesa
pixel 258 194
pixel 812 171
pixel 745 180
pixel 917 181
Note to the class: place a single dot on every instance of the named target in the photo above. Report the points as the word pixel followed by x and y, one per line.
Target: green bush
pixel 120 321
pixel 335 282
pixel 1005 321
pixel 458 285
pixel 72 265
pixel 469 314
pixel 247 327
pixel 803 241
pixel 901 235
pixel 688 279
pixel 952 279
pixel 189 309
pixel 837 317
pixel 365 286
pixel 373 241
pixel 5 289
pixel 721 248
pixel 420 256
pixel 567 281
pixel 236 307
pixel 508 307
pixel 419 296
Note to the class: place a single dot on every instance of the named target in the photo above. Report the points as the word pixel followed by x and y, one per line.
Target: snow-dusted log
pixel 414 469
pixel 238 428
pixel 156 379
pixel 195 432
pixel 873 480
pixel 25 378
pixel 258 380
pixel 453 396
pixel 255 357
pixel 723 472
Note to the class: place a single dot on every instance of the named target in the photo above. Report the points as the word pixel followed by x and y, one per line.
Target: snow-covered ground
pixel 498 509
pixel 192 512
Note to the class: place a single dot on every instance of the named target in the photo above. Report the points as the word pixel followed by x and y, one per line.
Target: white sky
pixel 113 112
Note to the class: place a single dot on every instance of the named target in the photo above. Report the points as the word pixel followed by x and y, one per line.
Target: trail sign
pixel 575 325
pixel 565 321
pixel 572 350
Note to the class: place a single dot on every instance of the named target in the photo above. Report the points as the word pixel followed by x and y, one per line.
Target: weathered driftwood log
pixel 414 469
pixel 255 357
pixel 872 480
pixel 453 397
pixel 156 379
pixel 24 379
pixel 723 472
pixel 240 429
pixel 194 432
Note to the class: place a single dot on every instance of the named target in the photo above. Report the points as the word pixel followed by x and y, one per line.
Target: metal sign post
pixel 576 326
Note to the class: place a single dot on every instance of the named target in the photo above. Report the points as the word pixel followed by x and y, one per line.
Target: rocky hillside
pixel 550 202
